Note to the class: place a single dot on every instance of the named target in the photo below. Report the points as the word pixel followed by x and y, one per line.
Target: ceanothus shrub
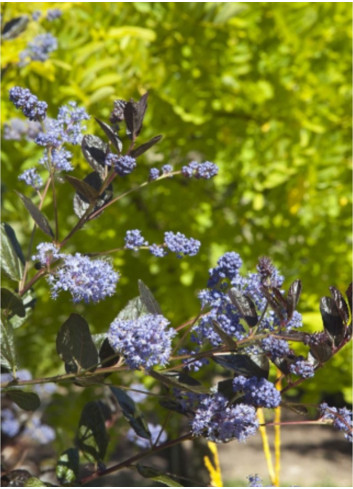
pixel 247 324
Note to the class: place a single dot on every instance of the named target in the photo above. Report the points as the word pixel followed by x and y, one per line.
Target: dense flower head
pixel 53 13
pixel 144 342
pixel 303 368
pixel 58 159
pixel 31 178
pixel 227 267
pixel 47 253
pixel 158 436
pixel 167 169
pixel 255 481
pixel 296 321
pixel 221 422
pixel 39 432
pixel 267 271
pixel 204 170
pixel 36 14
pixel 276 347
pixel 10 425
pixel 87 280
pixel 31 107
pixel 157 250
pixel 39 48
pixel 258 392
pixel 123 165
pixel 341 417
pixel 154 174
pixel 134 239
pixel 17 129
pixel 181 245
pixel 190 363
pixel 117 114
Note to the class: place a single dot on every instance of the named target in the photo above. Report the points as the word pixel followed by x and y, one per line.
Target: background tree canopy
pixel 263 90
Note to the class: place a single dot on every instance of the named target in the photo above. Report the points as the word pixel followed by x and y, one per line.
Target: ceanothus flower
pixel 154 174
pixel 38 432
pixel 204 170
pixel 258 392
pixel 39 49
pixel 157 250
pixel 144 342
pixel 87 280
pixel 31 107
pixel 255 481
pixel 158 436
pixel 303 368
pixel 181 245
pixel 53 13
pixel 227 267
pixel 134 239
pixel 219 421
pixel 36 14
pixel 17 129
pixel 342 419
pixel 167 169
pixel 123 165
pixel 10 425
pixel 276 347
pixel 47 254
pixel 31 178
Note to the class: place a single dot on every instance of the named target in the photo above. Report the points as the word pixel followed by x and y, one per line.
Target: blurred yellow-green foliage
pixel 261 89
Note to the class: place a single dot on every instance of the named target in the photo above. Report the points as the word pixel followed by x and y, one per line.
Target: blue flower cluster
pixel 181 245
pixel 18 129
pixel 303 368
pixel 134 239
pixel 276 347
pixel 158 437
pixel 39 49
pixel 204 170
pixel 258 392
pixel 341 417
pixel 154 174
pixel 123 165
pixel 255 481
pixel 227 268
pixel 38 432
pixel 221 422
pixel 53 14
pixel 157 250
pixel 47 254
pixel 10 425
pixel 31 178
pixel 31 107
pixel 144 342
pixel 87 280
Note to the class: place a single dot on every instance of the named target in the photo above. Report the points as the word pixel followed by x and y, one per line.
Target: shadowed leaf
pixel 14 27
pixel 332 320
pixel 144 147
pixel 12 302
pixel 131 413
pixel 248 365
pixel 82 203
pixel 293 297
pixel 28 401
pixel 111 134
pixel 148 299
pixel 95 150
pixel 68 466
pixel 245 307
pixel 83 188
pixel 11 254
pixel 341 304
pixel 92 437
pixel 38 217
pixel 157 476
pixel 8 353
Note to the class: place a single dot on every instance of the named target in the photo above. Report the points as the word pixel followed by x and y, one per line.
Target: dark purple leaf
pixel 38 217
pixel 332 320
pixel 349 294
pixel 144 147
pixel 227 339
pixel 81 202
pixel 14 27
pixel 340 304
pixel 95 150
pixel 245 307
pixel 248 365
pixel 12 302
pixel 279 306
pixel 293 297
pixel 83 188
pixel 112 135
pixel 134 113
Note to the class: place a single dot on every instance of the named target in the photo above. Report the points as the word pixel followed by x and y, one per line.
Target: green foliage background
pixel 261 89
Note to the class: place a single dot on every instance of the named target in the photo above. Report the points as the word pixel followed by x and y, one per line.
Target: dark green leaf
pixel 35 482
pixel 248 365
pixel 293 297
pixel 82 203
pixel 28 302
pixel 12 302
pixel 245 307
pixel 133 310
pixel 131 413
pixel 170 381
pixel 14 27
pixel 92 437
pixel 29 401
pixel 75 346
pixel 83 188
pixel 148 299
pixel 332 320
pixel 11 253
pixel 225 387
pixel 95 150
pixel 111 134
pixel 341 304
pixel 105 352
pixel 157 476
pixel 8 353
pixel 68 466
pixel 144 147
pixel 38 217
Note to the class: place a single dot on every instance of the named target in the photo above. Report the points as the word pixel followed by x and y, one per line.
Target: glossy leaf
pixel 11 254
pixel 279 306
pixel 131 413
pixel 28 401
pixel 133 310
pixel 157 476
pixel 105 352
pixel 8 353
pixel 148 299
pixel 12 302
pixel 38 217
pixel 68 466
pixel 341 304
pixel 170 381
pixel 112 135
pixel 28 303
pixel 146 146
pixel 134 113
pixel 332 320
pixel 75 346
pixel 226 338
pixel 95 151
pixel 92 437
pixel 14 27
pixel 245 307
pixel 82 203
pixel 293 297
pixel 323 351
pixel 83 188
pixel 247 365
